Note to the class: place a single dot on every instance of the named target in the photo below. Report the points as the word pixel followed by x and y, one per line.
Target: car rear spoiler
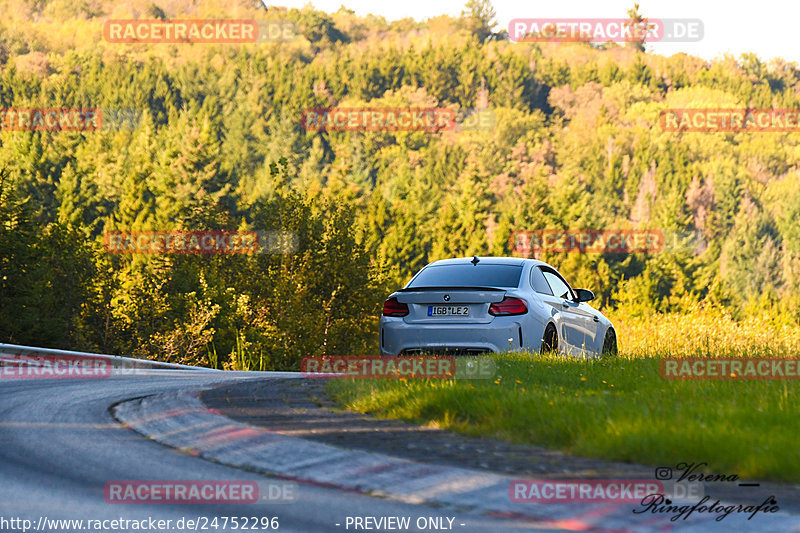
pixel 418 289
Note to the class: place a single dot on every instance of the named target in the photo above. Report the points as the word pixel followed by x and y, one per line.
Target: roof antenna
pixel 475 260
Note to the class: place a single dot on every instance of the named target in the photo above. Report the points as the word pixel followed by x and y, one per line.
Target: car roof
pixel 518 261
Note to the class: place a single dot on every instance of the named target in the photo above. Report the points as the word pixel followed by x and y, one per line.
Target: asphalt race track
pixel 60 446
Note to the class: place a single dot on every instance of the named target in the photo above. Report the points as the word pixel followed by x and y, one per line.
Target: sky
pixel 766 28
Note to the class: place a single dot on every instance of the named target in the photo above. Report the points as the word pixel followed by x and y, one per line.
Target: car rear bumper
pixel 398 338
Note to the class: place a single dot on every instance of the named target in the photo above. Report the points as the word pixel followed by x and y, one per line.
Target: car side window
pixel 558 285
pixel 538 282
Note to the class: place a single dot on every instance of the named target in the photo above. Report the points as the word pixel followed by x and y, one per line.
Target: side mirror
pixel 583 295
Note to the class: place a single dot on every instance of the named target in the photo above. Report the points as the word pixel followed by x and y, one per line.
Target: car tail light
pixel 392 307
pixel 509 306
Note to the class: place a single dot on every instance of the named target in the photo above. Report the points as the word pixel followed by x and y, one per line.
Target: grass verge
pixel 619 409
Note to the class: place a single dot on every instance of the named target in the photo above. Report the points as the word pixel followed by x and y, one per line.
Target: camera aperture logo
pixel 692 472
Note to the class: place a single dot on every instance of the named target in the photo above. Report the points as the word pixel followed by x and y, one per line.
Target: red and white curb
pixel 181 420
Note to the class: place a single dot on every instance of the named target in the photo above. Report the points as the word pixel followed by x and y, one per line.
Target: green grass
pixel 620 409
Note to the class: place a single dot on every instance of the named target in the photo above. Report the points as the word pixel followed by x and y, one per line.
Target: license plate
pixel 448 310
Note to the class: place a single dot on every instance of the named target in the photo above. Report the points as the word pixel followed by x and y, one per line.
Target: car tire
pixel 550 339
pixel 610 344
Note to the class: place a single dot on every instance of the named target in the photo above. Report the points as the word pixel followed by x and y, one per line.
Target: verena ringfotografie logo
pixel 693 473
pixel 199 492
pixel 17 366
pixel 600 30
pixel 739 368
pixel 730 120
pixel 582 491
pixel 200 242
pixel 68 119
pixel 659 504
pixel 527 242
pixel 199 31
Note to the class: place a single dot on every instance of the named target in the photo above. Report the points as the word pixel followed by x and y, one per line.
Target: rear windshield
pixel 480 275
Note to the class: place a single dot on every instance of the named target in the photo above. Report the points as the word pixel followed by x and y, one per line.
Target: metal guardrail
pixel 12 351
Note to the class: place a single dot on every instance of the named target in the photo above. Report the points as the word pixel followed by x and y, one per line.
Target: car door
pixel 592 325
pixel 572 324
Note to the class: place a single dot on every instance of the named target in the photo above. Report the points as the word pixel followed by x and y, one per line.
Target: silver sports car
pixel 493 304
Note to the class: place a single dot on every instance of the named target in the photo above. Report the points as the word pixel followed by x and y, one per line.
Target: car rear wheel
pixel 610 344
pixel 550 339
